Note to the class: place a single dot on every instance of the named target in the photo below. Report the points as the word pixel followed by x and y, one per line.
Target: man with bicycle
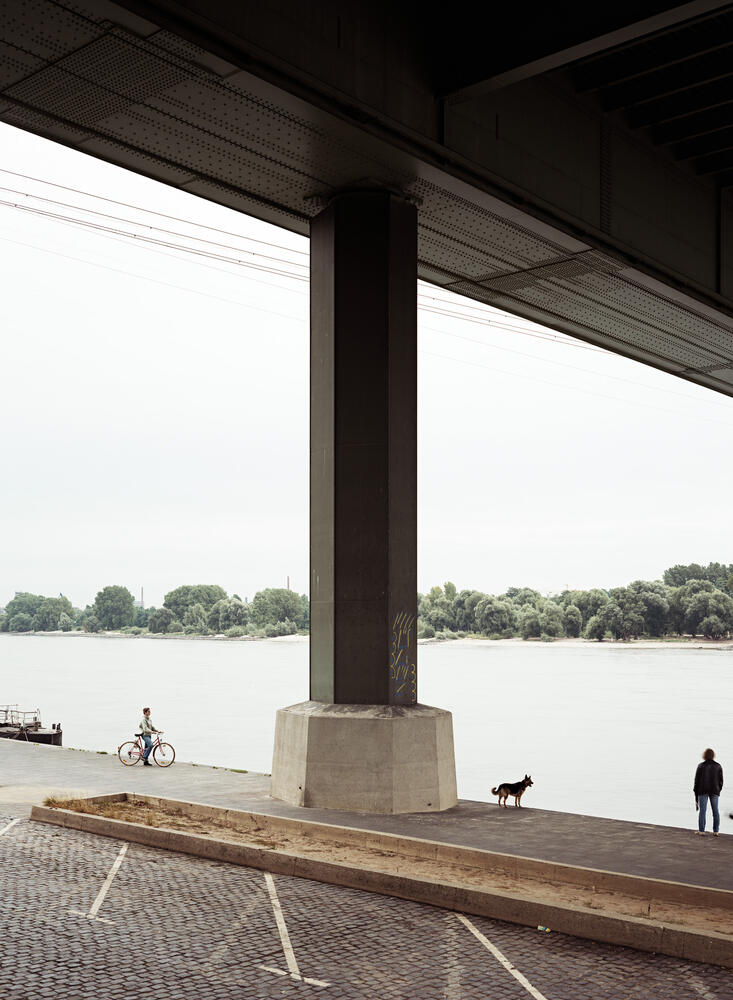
pixel 147 729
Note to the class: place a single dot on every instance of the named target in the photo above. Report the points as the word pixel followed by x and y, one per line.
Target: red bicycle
pixel 131 752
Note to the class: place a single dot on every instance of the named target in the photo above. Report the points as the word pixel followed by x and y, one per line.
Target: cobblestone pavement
pixel 171 927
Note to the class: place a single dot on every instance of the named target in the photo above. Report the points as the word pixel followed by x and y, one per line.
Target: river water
pixel 604 730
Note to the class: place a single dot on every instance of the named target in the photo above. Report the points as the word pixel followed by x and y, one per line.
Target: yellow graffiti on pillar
pixel 402 670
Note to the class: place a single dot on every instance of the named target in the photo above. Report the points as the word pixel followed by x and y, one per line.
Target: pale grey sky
pixel 154 413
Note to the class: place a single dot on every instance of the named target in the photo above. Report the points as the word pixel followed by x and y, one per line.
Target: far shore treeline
pixel 690 600
pixel 203 609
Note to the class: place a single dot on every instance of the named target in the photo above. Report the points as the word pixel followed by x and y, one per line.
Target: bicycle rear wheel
pixel 129 753
pixel 164 755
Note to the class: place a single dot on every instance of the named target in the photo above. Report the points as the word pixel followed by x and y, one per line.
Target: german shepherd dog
pixel 515 788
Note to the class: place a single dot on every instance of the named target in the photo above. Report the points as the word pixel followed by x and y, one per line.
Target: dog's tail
pixel 494 791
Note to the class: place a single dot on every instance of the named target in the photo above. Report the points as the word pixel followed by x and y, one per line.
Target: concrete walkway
pixel 30 772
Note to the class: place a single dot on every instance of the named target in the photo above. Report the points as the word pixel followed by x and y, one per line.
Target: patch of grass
pixel 101 751
pixel 237 770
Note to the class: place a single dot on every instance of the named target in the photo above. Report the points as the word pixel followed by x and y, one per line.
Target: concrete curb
pixel 634 932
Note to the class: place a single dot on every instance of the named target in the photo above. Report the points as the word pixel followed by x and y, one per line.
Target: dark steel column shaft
pixel 364 451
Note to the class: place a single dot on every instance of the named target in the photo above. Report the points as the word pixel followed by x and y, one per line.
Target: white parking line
pixel 11 823
pixel 92 915
pixel 293 970
pixel 501 958
pixel 453 989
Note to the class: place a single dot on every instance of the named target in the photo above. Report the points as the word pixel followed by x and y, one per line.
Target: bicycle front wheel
pixel 164 755
pixel 129 753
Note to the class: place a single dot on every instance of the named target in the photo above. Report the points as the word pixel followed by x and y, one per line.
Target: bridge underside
pixel 529 166
pixel 532 196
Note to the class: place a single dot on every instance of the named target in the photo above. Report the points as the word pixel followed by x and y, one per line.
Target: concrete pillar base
pixel 365 758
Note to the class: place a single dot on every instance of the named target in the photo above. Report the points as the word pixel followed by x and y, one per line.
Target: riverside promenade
pixel 31 772
pixel 206 928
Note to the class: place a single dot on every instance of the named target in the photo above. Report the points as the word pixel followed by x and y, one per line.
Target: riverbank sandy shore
pixel 175 636
pixel 668 642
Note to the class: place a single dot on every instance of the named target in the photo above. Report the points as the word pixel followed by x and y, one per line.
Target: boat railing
pixel 11 716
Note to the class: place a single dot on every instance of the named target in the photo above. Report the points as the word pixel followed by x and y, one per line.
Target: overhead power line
pixel 576 388
pixel 463 311
pixel 131 222
pixel 148 211
pixel 140 238
pixel 575 368
pixel 146 277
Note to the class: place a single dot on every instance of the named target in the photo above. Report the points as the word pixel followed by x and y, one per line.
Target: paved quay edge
pixel 514 865
pixel 635 932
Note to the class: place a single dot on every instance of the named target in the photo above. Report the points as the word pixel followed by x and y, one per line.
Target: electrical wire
pixel 131 222
pixel 473 314
pixel 576 368
pixel 149 211
pixel 145 277
pixel 43 213
pixel 575 388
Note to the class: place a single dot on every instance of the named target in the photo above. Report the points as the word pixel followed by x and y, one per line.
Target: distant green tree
pixel 494 616
pixel 529 622
pixel 46 618
pixel 285 627
pixel 449 589
pixel 92 624
pixel 4 623
pixel 159 620
pixel 464 609
pixel 715 573
pixel 713 628
pixel 678 576
pixel 227 613
pixel 612 618
pixel 114 607
pixel 680 601
pixel 653 605
pixel 595 629
pixel 80 616
pixel 24 603
pixel 589 602
pixel 21 622
pixel 182 598
pixel 551 619
pixel 141 617
pixel 632 624
pixel 276 604
pixel 175 626
pixel 194 620
pixel 66 622
pixel 706 604
pixel 572 620
pixel 440 613
pixel 523 595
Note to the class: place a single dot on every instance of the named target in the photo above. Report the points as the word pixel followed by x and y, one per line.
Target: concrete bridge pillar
pixel 363 742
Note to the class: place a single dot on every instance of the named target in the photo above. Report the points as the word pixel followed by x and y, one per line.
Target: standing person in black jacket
pixel 708 785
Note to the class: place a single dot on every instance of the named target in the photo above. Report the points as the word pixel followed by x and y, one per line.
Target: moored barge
pixel 17 725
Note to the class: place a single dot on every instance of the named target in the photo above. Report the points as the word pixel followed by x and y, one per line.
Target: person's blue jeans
pixel 703 804
pixel 148 740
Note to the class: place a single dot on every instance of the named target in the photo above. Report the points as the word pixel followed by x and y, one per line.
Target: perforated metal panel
pixel 46 30
pixel 161 105
pixel 15 64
